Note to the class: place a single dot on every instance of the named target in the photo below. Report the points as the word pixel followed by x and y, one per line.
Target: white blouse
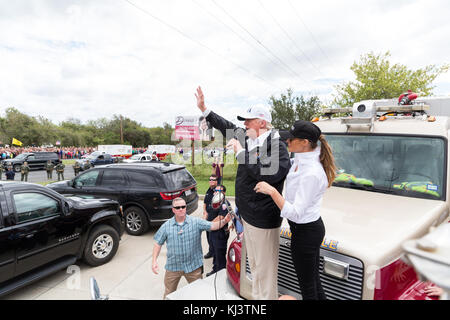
pixel 306 183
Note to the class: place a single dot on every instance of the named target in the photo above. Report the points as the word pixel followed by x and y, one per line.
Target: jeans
pixel 305 250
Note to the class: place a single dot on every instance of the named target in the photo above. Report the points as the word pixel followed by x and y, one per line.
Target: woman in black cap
pixel 313 171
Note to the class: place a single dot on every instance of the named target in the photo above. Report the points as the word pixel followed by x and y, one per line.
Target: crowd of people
pixel 63 152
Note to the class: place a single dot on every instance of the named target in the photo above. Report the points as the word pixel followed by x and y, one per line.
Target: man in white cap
pixel 262 156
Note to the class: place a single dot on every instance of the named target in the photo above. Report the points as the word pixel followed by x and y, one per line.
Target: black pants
pixel 305 250
pixel 219 240
pixel 210 245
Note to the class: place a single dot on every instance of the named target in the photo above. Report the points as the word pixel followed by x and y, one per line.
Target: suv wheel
pixel 17 167
pixel 135 221
pixel 101 246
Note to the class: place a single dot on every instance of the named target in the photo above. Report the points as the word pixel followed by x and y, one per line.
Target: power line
pixel 309 31
pixel 200 44
pixel 237 34
pixel 279 43
pixel 259 42
pixel 289 37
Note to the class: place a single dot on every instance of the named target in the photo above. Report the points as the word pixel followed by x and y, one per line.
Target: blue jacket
pixel 10 175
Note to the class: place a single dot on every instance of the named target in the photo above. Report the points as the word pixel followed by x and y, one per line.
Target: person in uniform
pixel 60 170
pixel 49 166
pixel 10 172
pixel 218 238
pixel 24 169
pixel 207 206
pixel 76 168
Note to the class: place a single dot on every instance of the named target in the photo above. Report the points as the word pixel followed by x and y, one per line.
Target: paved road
pixel 127 276
pixel 38 176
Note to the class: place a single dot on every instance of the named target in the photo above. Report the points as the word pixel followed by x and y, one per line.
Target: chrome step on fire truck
pixel 392 186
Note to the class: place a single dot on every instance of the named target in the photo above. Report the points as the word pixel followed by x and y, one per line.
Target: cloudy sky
pixel 144 58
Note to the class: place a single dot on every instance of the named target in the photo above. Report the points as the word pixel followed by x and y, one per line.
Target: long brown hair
pixel 327 159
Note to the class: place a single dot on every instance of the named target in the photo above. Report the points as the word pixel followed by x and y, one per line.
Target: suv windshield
pixel 178 179
pixel 403 165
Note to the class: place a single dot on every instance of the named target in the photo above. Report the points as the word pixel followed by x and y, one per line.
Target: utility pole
pixel 121 130
pixel 192 152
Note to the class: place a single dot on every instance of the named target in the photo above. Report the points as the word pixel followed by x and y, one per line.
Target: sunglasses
pixel 219 190
pixel 179 207
pixel 212 179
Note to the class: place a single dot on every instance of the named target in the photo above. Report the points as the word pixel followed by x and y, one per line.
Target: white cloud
pixel 92 59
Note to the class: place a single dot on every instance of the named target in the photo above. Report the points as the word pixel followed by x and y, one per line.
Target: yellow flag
pixel 16 142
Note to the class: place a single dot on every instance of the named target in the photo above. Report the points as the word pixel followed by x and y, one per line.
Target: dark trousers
pixel 210 245
pixel 305 250
pixel 219 240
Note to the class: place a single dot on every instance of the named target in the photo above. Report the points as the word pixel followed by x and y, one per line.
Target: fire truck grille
pixel 335 288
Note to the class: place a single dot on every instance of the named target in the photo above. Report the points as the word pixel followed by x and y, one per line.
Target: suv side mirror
pixel 66 208
pixel 95 290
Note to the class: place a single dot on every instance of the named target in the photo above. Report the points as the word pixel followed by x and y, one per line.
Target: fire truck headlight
pixel 232 255
pixel 336 268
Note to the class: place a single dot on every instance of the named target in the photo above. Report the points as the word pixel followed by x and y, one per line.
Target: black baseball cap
pixel 303 130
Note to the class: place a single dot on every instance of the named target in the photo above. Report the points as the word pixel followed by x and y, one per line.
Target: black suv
pixel 95 159
pixel 36 160
pixel 42 232
pixel 145 190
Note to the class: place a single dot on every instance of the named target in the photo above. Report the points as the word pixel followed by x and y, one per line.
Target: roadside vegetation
pixel 202 170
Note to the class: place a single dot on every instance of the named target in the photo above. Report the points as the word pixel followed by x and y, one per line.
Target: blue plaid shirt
pixel 184 245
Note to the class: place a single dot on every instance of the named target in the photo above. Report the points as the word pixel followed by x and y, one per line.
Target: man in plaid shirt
pixel 182 235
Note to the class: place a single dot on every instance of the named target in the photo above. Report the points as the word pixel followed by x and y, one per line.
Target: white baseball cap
pixel 256 112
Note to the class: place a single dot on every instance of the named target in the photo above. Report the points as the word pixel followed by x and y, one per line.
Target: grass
pixel 203 185
pixel 202 170
pixel 68 162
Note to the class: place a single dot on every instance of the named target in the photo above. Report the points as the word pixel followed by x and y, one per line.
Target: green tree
pixel 48 131
pixel 288 108
pixel 72 132
pixel 20 126
pixel 378 78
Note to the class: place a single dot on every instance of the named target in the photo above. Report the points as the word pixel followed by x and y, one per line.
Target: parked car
pixel 42 232
pixel 145 190
pixel 138 158
pixel 96 158
pixel 36 160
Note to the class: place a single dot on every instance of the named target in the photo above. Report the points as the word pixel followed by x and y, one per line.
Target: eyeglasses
pixel 179 207
pixel 212 179
pixel 219 190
